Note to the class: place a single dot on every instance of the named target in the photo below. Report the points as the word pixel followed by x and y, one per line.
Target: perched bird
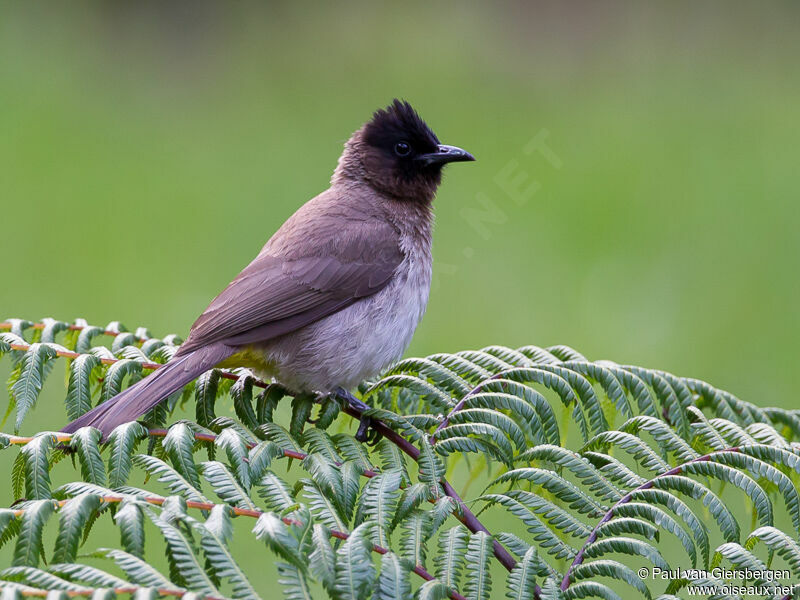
pixel 336 293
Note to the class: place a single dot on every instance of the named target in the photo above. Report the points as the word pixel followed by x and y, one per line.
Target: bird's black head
pixel 400 155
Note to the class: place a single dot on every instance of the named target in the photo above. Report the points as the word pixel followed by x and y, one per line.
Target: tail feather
pixel 135 401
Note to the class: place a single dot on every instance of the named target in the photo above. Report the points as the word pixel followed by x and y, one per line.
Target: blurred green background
pixel 148 150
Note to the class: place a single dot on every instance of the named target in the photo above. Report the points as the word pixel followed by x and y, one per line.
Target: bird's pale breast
pixel 359 341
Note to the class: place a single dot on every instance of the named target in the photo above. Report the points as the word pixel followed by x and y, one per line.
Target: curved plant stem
pixel 30 592
pixel 66 438
pixel 245 512
pixel 565 583
pixel 465 515
pixel 109 332
pixel 460 404
pixel 151 366
pixel 468 517
pixel 70 354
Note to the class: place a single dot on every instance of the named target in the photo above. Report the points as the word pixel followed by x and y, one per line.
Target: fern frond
pixel 29 376
pixel 589 571
pixel 394 580
pixel 682 451
pixel 170 477
pixel 122 441
pixel 36 461
pixel 137 570
pixel 378 503
pixel 354 571
pixel 74 514
pixel 29 539
pixel 776 540
pixel 130 520
pixel 450 560
pixel 226 485
pixel 478 584
pixel 522 579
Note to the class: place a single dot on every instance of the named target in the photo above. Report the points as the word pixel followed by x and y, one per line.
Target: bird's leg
pixel 363 433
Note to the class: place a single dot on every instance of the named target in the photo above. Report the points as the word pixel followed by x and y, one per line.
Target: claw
pixel 362 435
pixel 365 431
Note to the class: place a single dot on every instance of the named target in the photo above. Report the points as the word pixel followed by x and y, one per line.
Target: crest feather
pixel 399 121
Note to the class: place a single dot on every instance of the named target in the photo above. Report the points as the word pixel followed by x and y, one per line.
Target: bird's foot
pixel 365 432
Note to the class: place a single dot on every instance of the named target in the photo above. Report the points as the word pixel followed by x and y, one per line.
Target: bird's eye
pixel 402 149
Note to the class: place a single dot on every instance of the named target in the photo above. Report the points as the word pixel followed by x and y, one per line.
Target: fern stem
pixel 464 514
pixel 65 438
pixel 37 593
pixel 474 525
pixel 5 325
pixel 245 512
pixel 460 404
pixel 105 361
pixel 151 366
pixel 565 583
pixel 210 437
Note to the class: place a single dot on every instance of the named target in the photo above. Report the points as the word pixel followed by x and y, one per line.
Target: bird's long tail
pixel 135 401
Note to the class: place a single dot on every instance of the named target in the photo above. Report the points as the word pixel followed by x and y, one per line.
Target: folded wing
pixel 274 295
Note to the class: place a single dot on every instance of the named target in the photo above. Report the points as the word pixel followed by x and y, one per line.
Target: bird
pixel 336 293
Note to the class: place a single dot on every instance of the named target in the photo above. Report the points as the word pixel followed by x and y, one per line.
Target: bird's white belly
pixel 357 342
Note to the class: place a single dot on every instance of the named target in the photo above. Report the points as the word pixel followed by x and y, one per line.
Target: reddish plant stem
pixel 36 593
pixel 473 524
pixel 460 404
pixel 108 332
pixel 466 516
pixel 210 437
pixel 110 361
pixel 105 361
pixel 578 560
pixel 244 512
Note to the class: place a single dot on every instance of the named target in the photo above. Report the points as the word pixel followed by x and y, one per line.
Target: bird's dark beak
pixel 445 154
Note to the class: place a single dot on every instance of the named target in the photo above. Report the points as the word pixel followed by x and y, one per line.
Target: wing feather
pixel 276 294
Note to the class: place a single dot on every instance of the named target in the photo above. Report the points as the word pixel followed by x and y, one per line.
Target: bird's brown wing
pixel 274 295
